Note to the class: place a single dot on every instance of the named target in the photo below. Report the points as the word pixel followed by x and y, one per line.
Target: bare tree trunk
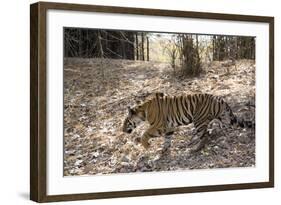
pixel 106 39
pixel 147 48
pixel 213 42
pixel 123 50
pixel 226 53
pixel 87 48
pixel 101 54
pixel 198 67
pixel 253 48
pixel 66 47
pixel 142 46
pixel 100 45
pixel 137 47
pixel 80 43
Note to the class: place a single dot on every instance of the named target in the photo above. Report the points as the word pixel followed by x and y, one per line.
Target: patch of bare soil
pixel 98 91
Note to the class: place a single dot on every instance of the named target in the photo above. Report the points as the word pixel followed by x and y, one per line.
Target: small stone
pixel 95 154
pixel 244 139
pixel 70 152
pixel 125 164
pixel 78 162
pixel 75 136
pixel 125 159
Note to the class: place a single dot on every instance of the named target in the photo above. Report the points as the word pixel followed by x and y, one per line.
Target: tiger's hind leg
pixel 200 145
pixel 167 142
pixel 202 136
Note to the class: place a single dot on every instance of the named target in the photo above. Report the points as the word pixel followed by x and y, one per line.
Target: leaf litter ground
pixel 97 93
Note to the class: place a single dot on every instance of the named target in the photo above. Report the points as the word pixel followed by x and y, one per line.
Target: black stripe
pixel 185 111
pixel 192 109
pixel 179 113
pixel 205 108
pixel 189 107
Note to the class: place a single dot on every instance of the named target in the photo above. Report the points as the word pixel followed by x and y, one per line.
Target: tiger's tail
pixel 234 120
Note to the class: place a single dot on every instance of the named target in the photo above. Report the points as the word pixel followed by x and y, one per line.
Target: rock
pixel 70 152
pixel 88 168
pixel 95 154
pixel 124 164
pixel 125 159
pixel 243 138
pixel 78 162
pixel 75 136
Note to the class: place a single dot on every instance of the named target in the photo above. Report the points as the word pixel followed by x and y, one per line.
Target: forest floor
pixel 97 93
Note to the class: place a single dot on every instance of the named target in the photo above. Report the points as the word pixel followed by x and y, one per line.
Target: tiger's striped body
pixel 166 113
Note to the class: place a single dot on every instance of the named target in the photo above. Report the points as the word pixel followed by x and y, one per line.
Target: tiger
pixel 165 113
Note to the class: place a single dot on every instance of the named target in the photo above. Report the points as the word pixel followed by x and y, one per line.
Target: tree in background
pixel 235 47
pixel 190 54
pixel 142 46
pixel 190 50
pixel 172 50
pixel 89 43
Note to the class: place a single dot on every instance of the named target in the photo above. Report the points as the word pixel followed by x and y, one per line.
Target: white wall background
pixel 14 101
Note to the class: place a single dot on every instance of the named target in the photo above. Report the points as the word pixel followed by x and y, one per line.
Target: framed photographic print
pixel 134 102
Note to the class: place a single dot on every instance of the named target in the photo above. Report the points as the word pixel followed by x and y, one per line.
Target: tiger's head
pixel 135 116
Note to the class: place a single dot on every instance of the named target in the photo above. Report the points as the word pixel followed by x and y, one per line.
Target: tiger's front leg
pixel 150 133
